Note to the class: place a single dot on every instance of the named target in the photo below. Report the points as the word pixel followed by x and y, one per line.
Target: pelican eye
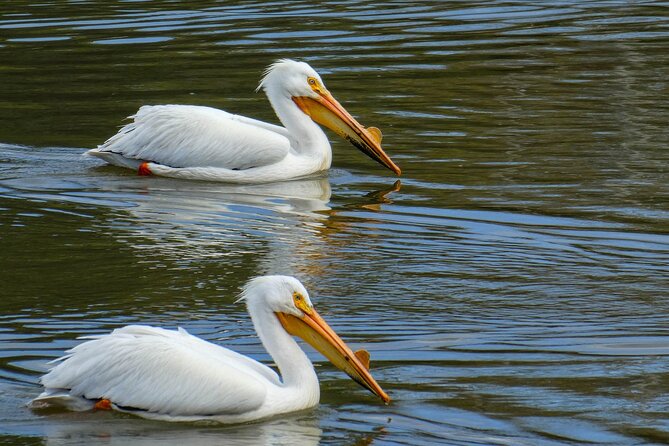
pixel 312 81
pixel 301 302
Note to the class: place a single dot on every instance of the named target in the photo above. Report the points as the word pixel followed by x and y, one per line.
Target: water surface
pixel 512 289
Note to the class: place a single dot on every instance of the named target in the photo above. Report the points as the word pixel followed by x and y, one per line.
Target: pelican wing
pixel 162 371
pixel 193 136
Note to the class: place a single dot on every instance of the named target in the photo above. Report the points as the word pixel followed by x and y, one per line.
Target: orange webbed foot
pixel 144 169
pixel 103 404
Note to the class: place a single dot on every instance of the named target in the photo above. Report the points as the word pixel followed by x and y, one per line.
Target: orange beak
pixel 325 110
pixel 315 331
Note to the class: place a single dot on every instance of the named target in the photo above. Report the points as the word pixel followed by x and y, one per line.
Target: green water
pixel 512 290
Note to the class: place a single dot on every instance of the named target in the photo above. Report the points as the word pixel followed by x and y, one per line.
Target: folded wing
pixel 194 136
pixel 162 371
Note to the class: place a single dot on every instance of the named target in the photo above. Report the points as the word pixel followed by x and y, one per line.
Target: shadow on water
pixel 279 225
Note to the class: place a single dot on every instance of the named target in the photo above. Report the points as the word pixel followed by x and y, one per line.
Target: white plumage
pixel 172 375
pixel 142 365
pixel 180 135
pixel 195 142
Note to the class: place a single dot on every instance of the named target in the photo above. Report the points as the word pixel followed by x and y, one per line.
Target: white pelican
pixel 203 143
pixel 174 376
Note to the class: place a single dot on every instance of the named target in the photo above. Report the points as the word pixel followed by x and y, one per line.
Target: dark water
pixel 512 290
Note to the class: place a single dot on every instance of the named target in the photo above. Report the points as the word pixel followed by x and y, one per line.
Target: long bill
pixel 314 330
pixel 325 110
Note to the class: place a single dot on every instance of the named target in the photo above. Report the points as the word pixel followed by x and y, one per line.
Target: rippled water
pixel 512 289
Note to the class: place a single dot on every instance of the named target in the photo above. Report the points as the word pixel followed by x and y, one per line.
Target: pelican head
pixel 289 300
pixel 299 82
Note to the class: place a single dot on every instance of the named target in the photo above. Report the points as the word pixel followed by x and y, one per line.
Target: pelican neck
pixel 306 136
pixel 294 366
